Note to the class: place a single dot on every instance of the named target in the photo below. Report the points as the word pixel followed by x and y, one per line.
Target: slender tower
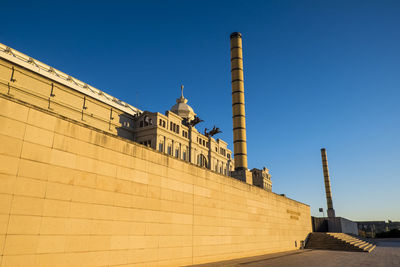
pixel 238 111
pixel 331 211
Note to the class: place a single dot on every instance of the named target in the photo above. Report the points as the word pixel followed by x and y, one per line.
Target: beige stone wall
pixel 71 195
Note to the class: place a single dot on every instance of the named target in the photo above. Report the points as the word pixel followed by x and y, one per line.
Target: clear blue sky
pixel 317 74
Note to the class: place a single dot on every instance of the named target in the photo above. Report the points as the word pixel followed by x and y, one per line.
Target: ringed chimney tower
pixel 331 211
pixel 238 109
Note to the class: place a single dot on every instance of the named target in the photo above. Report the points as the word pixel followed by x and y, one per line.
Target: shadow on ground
pixel 388 242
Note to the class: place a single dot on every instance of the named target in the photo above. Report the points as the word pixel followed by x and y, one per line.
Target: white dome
pixel 182 109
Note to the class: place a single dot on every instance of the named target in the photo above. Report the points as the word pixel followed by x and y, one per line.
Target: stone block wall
pixel 73 192
pixel 72 195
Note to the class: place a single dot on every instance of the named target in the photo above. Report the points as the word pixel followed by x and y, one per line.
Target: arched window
pixel 201 160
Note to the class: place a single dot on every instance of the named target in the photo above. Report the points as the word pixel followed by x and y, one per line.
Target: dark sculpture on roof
pixel 214 131
pixel 195 121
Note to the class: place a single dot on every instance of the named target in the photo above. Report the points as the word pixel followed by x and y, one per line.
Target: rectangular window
pixel 141 124
pixel 184 155
pixel 177 129
pixel 177 153
pixel 160 122
pixel 160 147
pixel 170 125
pixel 169 150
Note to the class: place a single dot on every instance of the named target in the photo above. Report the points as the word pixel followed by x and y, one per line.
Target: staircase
pixel 338 241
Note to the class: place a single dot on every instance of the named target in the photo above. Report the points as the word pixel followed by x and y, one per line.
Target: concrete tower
pixel 238 110
pixel 331 211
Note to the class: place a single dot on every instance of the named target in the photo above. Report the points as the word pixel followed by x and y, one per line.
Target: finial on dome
pixel 181 107
pixel 182 91
pixel 181 99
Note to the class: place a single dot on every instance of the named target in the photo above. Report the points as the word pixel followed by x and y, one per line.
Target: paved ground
pixel 387 253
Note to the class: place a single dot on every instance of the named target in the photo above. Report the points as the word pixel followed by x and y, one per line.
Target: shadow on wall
pixel 126 128
pixel 319 224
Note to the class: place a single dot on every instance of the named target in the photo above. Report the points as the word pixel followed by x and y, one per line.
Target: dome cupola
pixel 181 108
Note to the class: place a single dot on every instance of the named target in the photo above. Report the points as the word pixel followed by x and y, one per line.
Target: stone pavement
pixel 387 253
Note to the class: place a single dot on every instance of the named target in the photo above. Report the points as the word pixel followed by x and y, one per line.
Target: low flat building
pixel 371 228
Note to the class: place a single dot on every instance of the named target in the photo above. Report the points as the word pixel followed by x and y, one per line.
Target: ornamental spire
pixel 181 99
pixel 182 91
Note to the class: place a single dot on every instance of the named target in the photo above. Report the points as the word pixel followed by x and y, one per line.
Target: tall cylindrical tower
pixel 331 211
pixel 238 110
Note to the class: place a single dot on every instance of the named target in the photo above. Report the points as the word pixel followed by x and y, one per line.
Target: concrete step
pixel 365 244
pixel 357 243
pixel 338 241
pixel 371 248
